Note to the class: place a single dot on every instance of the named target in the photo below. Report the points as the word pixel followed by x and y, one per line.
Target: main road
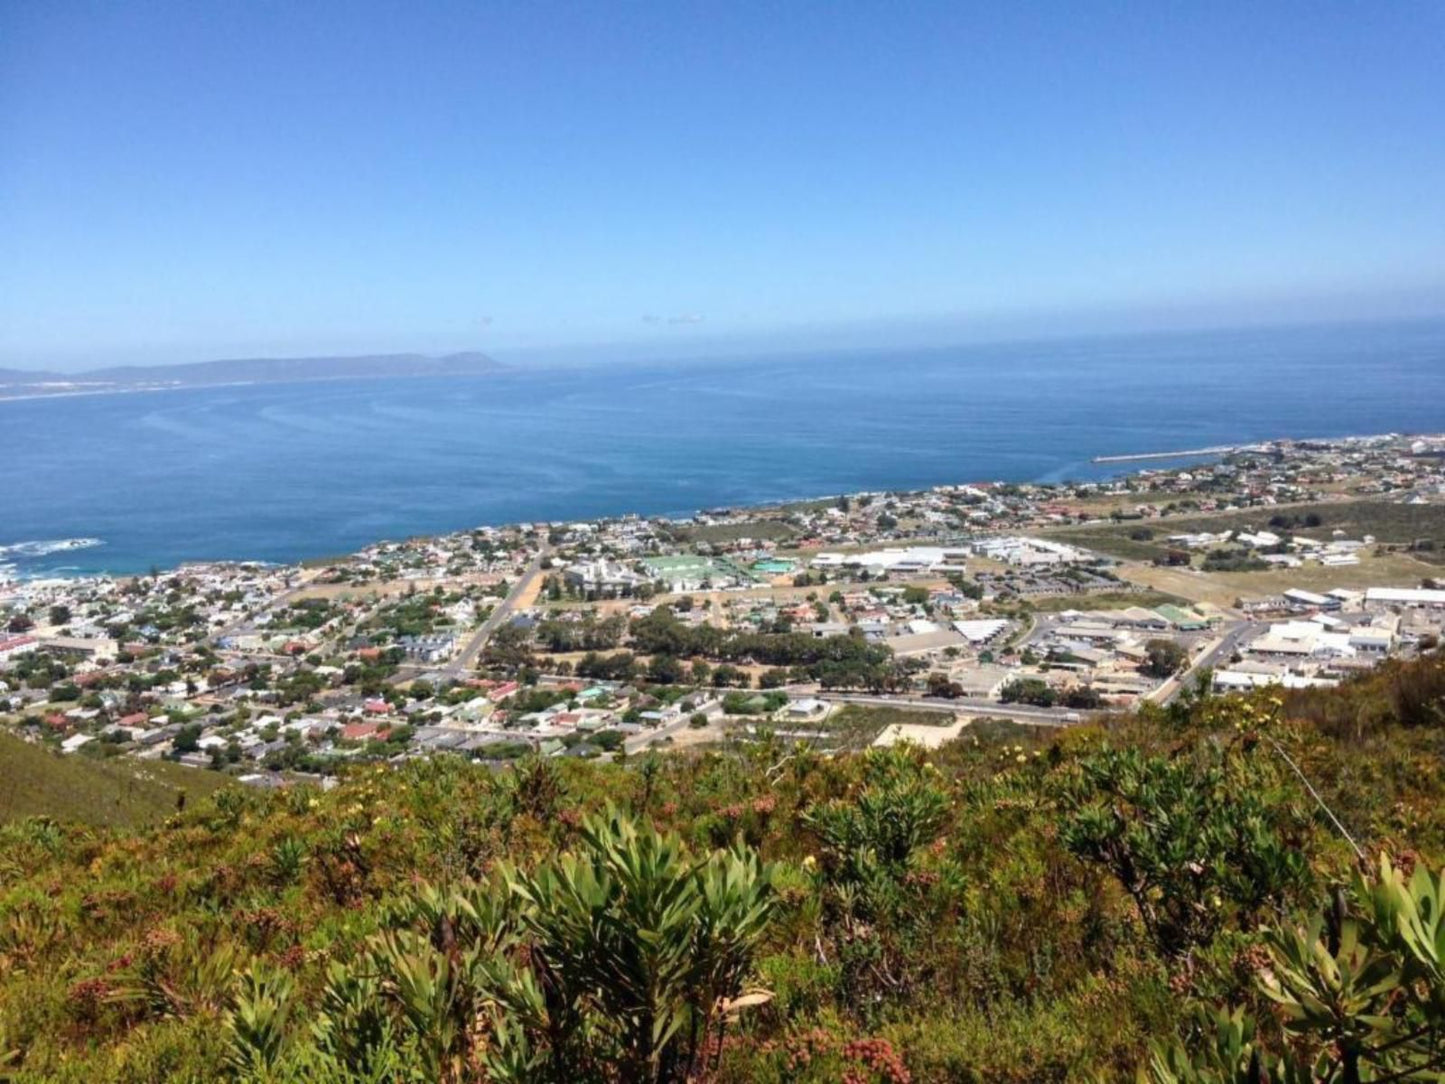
pixel 499 615
pixel 978 709
pixel 1222 648
pixel 1055 717
pixel 272 605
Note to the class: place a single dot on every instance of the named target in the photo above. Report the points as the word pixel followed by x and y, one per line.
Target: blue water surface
pixel 284 472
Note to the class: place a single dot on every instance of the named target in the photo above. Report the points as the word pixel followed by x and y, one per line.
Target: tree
pixel 939 685
pixel 510 646
pixel 187 739
pixel 774 678
pixel 1164 658
pixel 1034 691
pixel 726 676
pixel 664 670
pixel 60 614
pixel 914 595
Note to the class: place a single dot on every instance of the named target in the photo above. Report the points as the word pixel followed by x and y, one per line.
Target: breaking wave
pixel 44 548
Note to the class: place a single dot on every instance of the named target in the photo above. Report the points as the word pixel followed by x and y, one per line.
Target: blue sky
pixel 181 181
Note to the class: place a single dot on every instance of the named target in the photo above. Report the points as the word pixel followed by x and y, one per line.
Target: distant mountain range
pixel 16 382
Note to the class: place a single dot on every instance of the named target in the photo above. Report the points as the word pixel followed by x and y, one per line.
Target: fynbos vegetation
pixel 1235 889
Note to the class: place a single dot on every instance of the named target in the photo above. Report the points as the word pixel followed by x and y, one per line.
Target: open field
pixel 1108 503
pixel 112 793
pixel 926 735
pixel 1105 600
pixel 1224 588
pixel 772 529
pixel 1388 522
pixel 1114 541
pixel 332 592
pixel 1194 586
pixel 855 726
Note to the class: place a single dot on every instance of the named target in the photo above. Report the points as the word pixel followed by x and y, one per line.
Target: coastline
pixel 1126 464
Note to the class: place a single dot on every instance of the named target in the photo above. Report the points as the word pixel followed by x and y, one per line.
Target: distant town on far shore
pixel 25 383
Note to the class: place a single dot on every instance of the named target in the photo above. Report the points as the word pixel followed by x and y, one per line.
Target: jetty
pixel 1222 449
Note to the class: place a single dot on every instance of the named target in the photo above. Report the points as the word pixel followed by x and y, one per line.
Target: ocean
pixel 293 471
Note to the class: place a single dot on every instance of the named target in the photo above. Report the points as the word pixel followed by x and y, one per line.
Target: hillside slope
pixel 1012 907
pixel 36 782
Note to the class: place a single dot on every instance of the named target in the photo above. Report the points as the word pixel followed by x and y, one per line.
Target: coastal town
pixel 842 621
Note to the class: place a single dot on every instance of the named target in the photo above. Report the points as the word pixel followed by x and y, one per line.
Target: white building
pixel 913 559
pixel 1405 596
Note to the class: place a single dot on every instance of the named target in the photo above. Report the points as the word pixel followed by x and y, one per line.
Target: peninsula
pixel 26 383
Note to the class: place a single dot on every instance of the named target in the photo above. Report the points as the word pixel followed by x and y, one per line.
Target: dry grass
pixel 1385 520
pixel 1224 588
pixel 119 792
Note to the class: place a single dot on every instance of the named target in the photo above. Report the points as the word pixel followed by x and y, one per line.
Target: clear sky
pixel 181 181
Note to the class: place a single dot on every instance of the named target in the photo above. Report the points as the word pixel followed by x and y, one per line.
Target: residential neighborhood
pixel 1293 563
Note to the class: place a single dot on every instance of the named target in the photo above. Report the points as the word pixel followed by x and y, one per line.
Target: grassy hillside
pixel 106 793
pixel 1015 906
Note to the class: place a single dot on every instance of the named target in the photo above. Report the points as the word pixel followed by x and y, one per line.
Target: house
pixel 364 731
pixel 437 647
pixel 981 631
pixel 75 741
pixel 14 646
pixel 981 682
pixel 806 708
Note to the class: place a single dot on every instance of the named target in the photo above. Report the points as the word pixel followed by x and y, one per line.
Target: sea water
pixel 290 471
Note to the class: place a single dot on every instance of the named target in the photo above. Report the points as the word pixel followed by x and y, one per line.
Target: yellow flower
pixel 1021 759
pixel 810 863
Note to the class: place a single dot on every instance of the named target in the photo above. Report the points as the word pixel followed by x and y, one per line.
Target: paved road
pixel 248 623
pixel 1021 713
pixel 499 615
pixel 1222 648
pixel 635 743
pixel 1035 716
